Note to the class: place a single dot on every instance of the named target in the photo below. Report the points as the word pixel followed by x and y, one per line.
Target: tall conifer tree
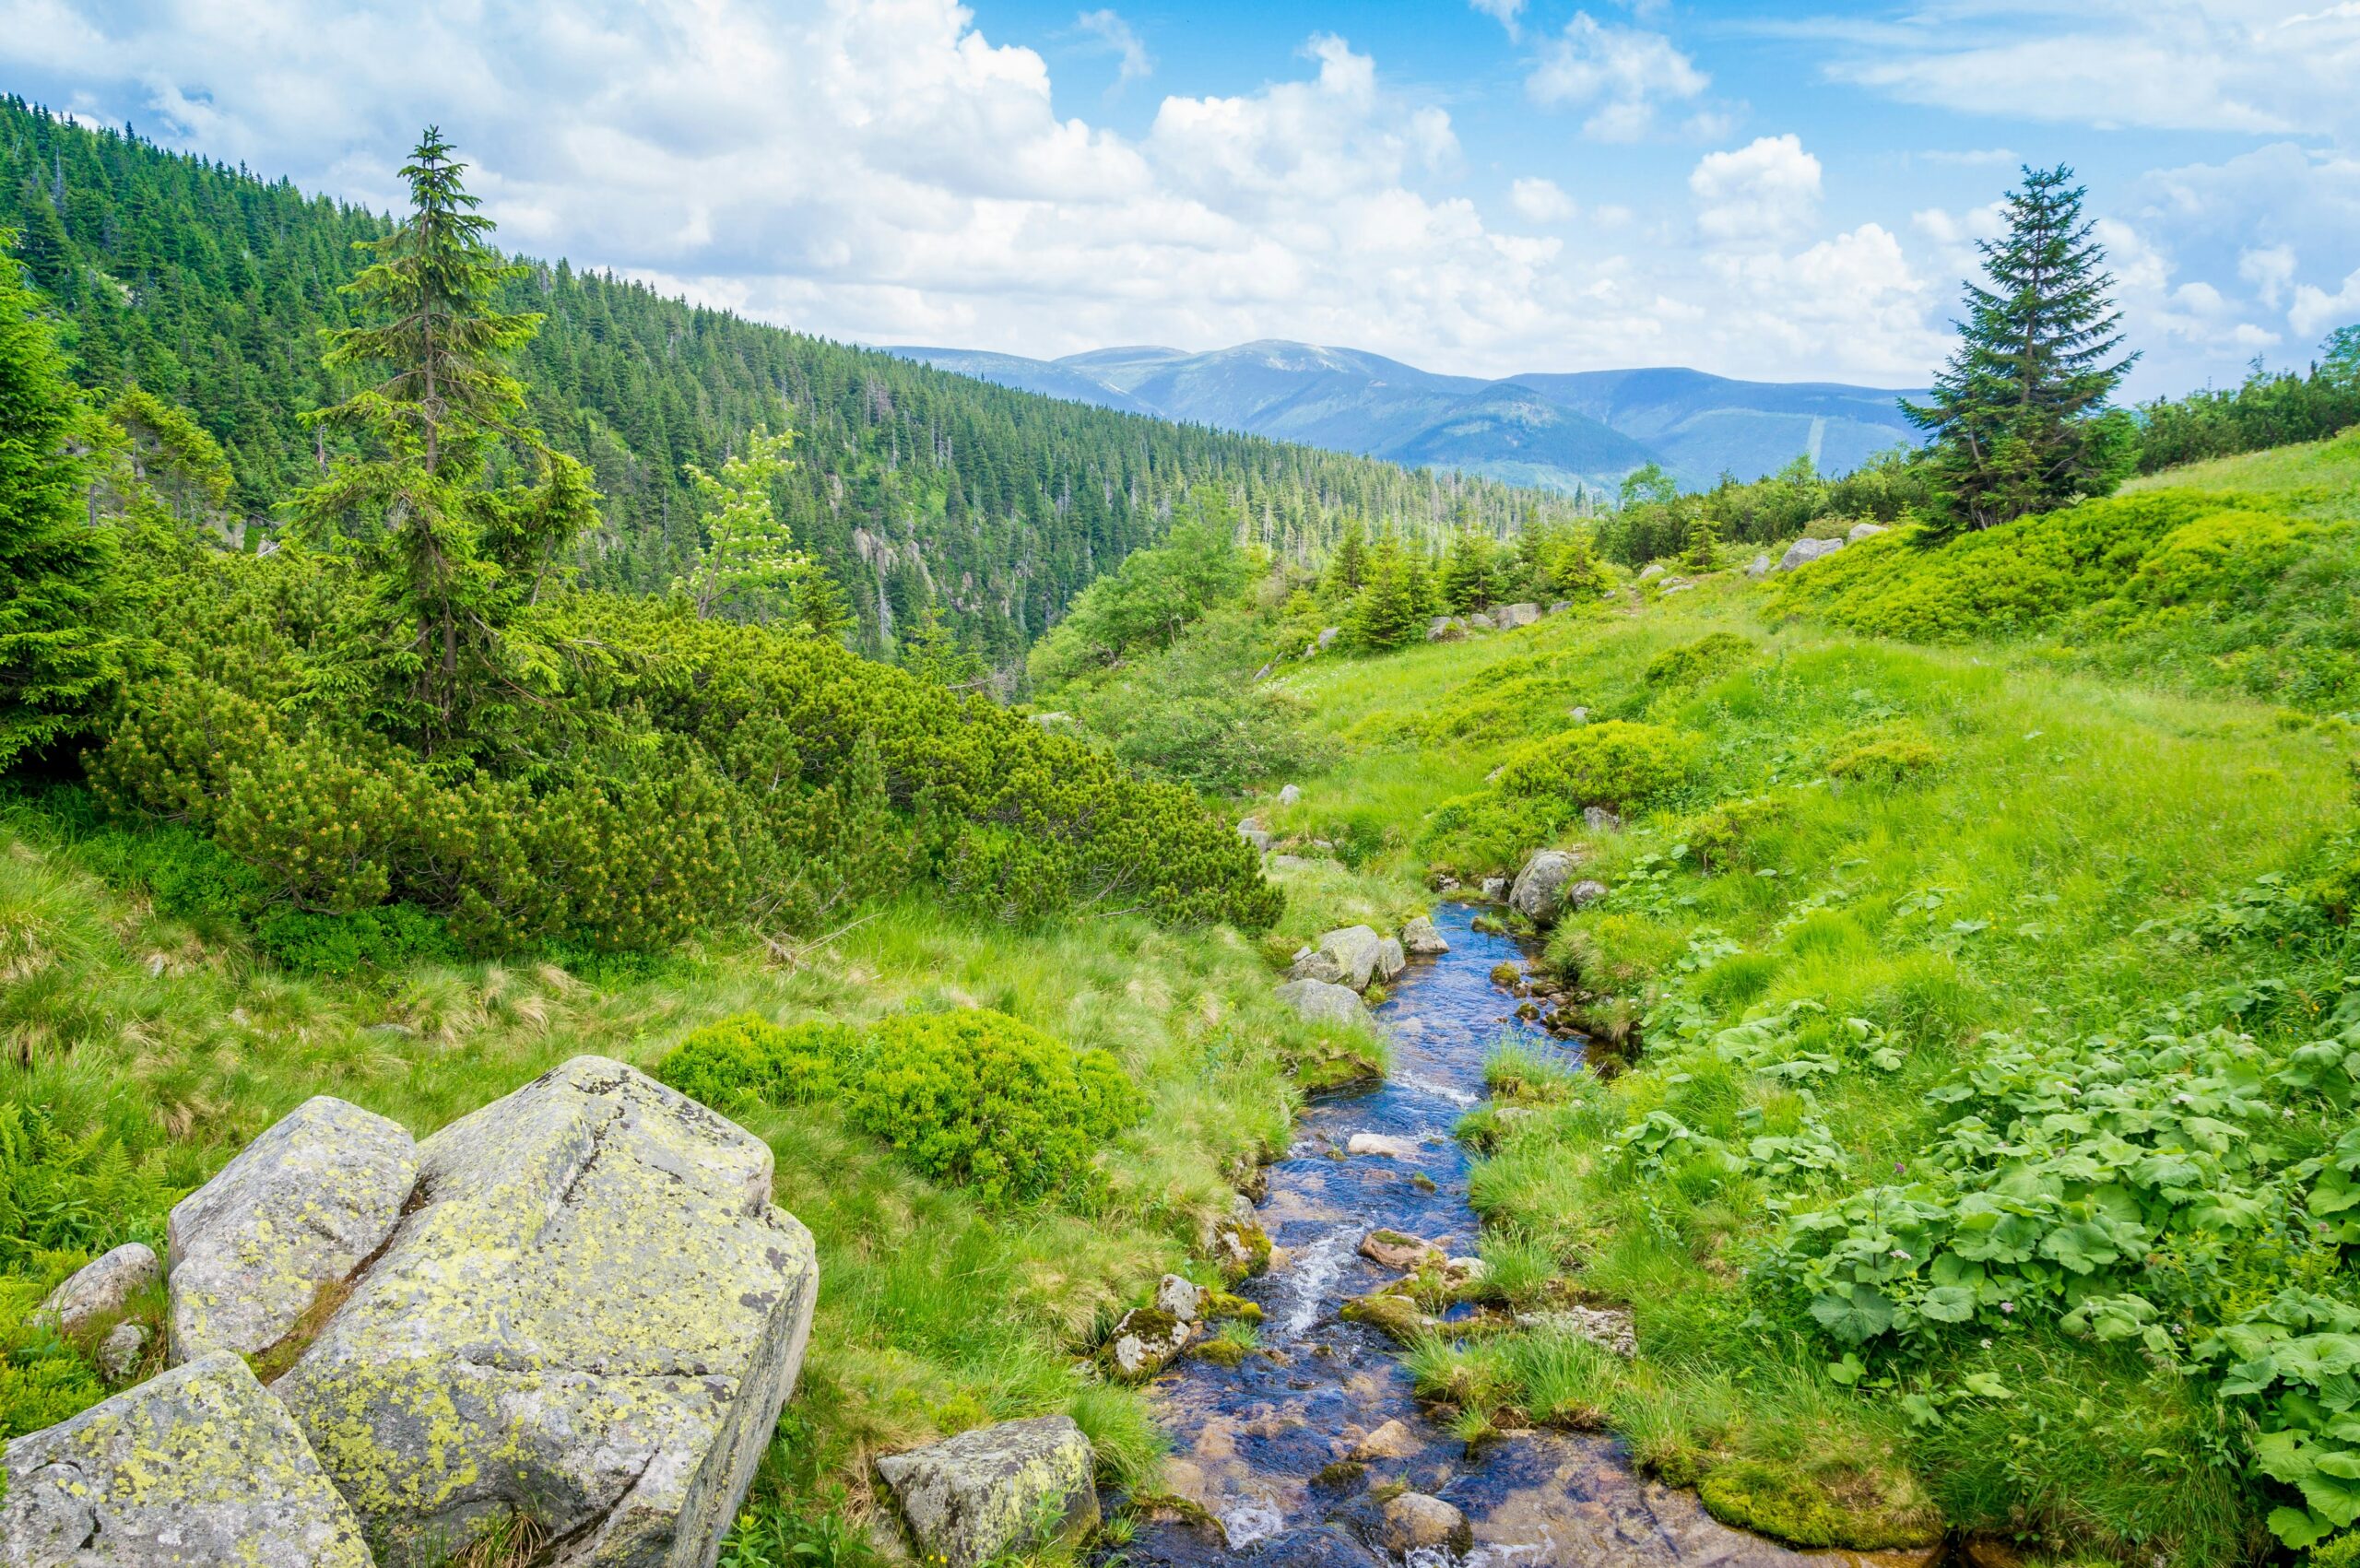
pixel 2018 417
pixel 53 662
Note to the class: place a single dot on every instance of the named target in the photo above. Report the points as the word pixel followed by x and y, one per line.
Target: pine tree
pixel 749 565
pixel 1348 568
pixel 1387 614
pixel 1704 538
pixel 931 651
pixel 454 556
pixel 54 663
pixel 1467 572
pixel 2018 416
pixel 1576 571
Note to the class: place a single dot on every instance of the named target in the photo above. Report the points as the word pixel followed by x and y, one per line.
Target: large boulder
pixel 1322 1002
pixel 1446 629
pixel 1481 623
pixel 1859 531
pixel 297 1210
pixel 101 1289
pixel 1510 617
pixel 996 1490
pixel 1290 794
pixel 1539 890
pixel 591 1315
pixel 1352 956
pixel 1802 552
pixel 1758 566
pixel 1420 938
pixel 1252 831
pixel 198 1466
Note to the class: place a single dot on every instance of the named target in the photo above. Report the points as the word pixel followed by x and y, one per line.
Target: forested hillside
pixel 208 286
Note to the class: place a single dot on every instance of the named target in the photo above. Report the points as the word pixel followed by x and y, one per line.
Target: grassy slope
pixel 163 1048
pixel 2009 889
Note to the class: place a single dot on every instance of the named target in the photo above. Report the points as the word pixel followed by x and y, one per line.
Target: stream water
pixel 1251 1440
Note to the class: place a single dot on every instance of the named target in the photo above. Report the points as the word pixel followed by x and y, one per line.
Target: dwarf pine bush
pixel 972 1098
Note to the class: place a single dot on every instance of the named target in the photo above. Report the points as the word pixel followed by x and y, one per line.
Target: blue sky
pixel 1785 191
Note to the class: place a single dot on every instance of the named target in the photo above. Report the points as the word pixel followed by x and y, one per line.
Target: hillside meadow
pixel 1984 1004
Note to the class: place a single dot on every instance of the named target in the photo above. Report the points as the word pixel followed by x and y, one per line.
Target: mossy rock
pixel 1221 1352
pixel 1219 1304
pixel 1398 1315
pixel 1864 1511
pixel 1506 976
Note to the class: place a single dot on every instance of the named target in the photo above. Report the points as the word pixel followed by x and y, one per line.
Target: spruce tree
pixel 54 663
pixel 1387 613
pixel 455 554
pixel 2018 416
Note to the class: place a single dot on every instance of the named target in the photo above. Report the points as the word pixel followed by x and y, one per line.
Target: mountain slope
pixel 1557 430
pixel 919 488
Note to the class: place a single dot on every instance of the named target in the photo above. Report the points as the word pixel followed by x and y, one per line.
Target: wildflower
pixel 1987 1344
pixel 2008 1306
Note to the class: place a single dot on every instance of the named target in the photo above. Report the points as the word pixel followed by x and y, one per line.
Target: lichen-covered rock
pixel 1390 958
pixel 1652 570
pixel 1584 893
pixel 1540 888
pixel 1481 623
pixel 592 1315
pixel 1859 531
pixel 1253 833
pixel 101 1287
pixel 1238 1243
pixel 296 1210
pixel 1290 794
pixel 199 1466
pixel 1352 956
pixel 1396 1315
pixel 1181 1297
pixel 1420 938
pixel 1510 617
pixel 996 1490
pixel 1802 552
pixel 1328 635
pixel 1382 1146
pixel 1323 1002
pixel 1145 1341
pixel 1446 629
pixel 1598 819
pixel 118 1355
pixel 1758 566
pixel 1496 887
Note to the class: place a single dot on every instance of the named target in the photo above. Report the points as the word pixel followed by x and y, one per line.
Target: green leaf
pixel 1948 1303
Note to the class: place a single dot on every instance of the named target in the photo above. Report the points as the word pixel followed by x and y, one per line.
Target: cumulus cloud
pixel 2316 313
pixel 1541 201
pixel 1623 75
pixel 1766 189
pixel 883 171
pixel 1132 58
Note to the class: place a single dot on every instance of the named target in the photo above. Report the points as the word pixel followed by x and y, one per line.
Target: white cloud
pixel 1507 13
pixel 1623 75
pixel 2252 66
pixel 2316 313
pixel 1132 60
pixel 882 171
pixel 2270 270
pixel 1766 189
pixel 1541 201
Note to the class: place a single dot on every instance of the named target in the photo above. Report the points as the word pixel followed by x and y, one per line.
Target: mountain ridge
pixel 1566 431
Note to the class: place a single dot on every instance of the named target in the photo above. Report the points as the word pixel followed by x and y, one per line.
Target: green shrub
pixel 1478 834
pixel 1722 837
pixel 1692 662
pixel 2343 1552
pixel 676 774
pixel 380 941
pixel 1886 754
pixel 1616 765
pixel 972 1098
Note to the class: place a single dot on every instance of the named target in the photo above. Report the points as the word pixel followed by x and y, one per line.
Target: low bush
pixel 1722 837
pixel 1883 754
pixel 1616 765
pixel 972 1098
pixel 1691 662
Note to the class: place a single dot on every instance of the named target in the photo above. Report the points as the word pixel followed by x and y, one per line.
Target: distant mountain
pixel 1557 432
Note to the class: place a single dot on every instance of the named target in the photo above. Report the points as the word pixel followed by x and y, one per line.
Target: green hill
pixel 1978 963
pixel 208 285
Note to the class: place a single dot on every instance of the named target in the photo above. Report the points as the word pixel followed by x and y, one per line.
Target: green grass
pixel 1887 860
pixel 153 1047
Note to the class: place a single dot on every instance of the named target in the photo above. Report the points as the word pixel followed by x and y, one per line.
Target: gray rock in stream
pixel 984 1494
pixel 1323 1003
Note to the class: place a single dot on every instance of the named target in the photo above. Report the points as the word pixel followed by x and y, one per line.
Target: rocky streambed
pixel 1312 1450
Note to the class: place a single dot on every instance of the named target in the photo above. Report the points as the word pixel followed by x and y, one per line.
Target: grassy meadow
pixel 1987 997
pixel 145 1048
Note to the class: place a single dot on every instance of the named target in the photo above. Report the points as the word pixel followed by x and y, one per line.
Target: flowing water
pixel 1251 1440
